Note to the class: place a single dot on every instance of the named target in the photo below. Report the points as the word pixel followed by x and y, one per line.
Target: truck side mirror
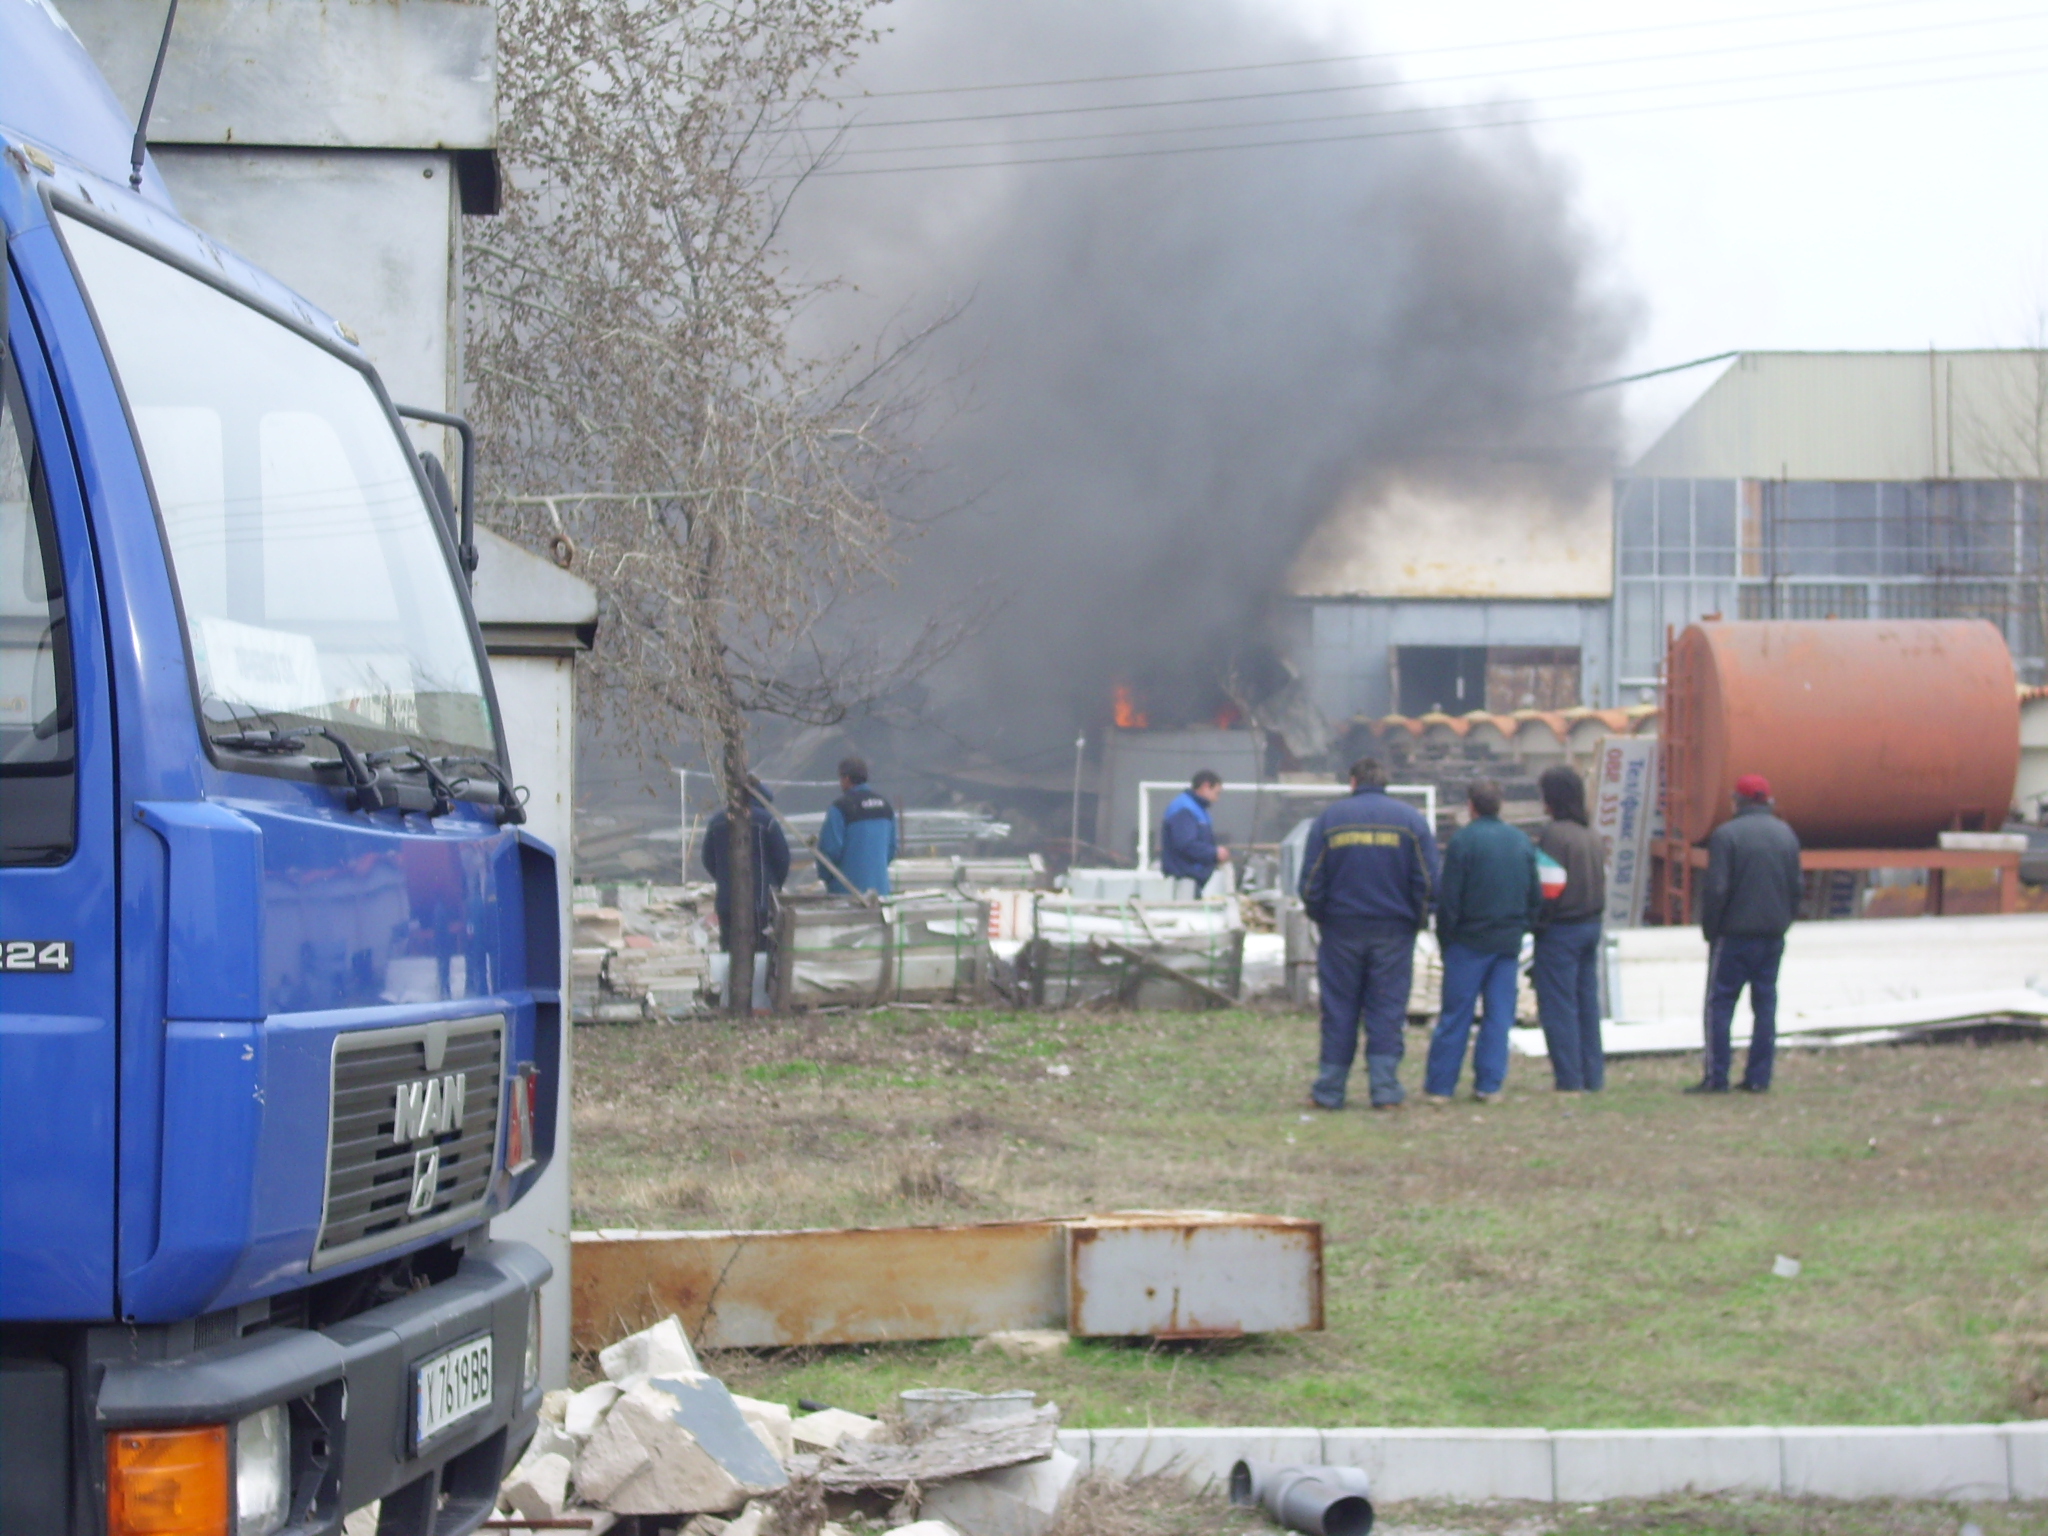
pixel 444 494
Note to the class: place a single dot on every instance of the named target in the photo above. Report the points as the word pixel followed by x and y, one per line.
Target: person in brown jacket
pixel 1572 868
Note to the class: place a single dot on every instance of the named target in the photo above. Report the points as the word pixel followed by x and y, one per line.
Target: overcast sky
pixel 1819 174
pixel 1860 218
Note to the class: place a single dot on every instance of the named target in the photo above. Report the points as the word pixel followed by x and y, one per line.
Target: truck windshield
pixel 38 766
pixel 314 586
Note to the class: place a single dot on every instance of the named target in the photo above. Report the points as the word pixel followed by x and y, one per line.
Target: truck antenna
pixel 149 100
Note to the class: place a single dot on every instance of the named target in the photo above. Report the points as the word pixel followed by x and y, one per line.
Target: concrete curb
pixel 1978 1463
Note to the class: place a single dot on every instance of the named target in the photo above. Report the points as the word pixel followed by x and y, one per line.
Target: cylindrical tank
pixel 1873 733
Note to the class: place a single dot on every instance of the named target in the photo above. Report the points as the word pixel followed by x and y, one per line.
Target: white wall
pixel 537 695
pixel 370 237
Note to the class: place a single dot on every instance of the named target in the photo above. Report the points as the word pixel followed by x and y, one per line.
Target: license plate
pixel 450 1387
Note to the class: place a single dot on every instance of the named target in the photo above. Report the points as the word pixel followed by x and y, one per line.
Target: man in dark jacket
pixel 1488 900
pixel 1749 899
pixel 1187 837
pixel 1367 876
pixel 859 833
pixel 771 866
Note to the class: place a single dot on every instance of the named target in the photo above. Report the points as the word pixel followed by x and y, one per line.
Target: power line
pixel 1383 85
pixel 1421 109
pixel 1366 58
pixel 1532 120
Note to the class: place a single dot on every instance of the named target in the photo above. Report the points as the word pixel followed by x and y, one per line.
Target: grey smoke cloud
pixel 1167 370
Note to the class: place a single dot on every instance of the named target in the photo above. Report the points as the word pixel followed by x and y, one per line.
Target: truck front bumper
pixel 349 1390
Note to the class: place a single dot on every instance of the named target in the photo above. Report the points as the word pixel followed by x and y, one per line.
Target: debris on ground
pixel 661 1437
pixel 1026 1343
pixel 825 1429
pixel 941 1454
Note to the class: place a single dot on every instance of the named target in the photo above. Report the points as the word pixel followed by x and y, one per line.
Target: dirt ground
pixel 1555 1260
pixel 1161 1508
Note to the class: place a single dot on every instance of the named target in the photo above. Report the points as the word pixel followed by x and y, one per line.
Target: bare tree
pixel 642 409
pixel 2004 424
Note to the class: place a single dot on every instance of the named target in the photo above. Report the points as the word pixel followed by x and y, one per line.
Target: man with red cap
pixel 1748 901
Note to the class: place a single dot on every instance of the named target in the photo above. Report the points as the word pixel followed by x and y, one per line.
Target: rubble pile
pixel 659 1436
pixel 641 952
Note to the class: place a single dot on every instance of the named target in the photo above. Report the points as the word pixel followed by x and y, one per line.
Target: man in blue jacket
pixel 1187 838
pixel 859 834
pixel 1489 899
pixel 771 866
pixel 1367 879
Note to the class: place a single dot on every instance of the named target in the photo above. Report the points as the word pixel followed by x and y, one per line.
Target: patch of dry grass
pixel 1558 1260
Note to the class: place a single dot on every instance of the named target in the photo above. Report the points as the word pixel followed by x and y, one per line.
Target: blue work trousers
pixel 1472 977
pixel 1735 961
pixel 1364 970
pixel 1567 979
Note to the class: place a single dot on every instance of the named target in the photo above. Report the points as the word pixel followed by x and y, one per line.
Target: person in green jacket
pixel 1488 900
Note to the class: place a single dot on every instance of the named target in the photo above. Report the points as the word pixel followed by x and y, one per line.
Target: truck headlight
pixel 263 1471
pixel 529 1374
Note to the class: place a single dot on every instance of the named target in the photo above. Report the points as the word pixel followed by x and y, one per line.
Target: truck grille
pixel 388 1184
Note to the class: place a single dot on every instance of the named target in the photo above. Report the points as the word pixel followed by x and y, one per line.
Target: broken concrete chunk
pixel 1026 1343
pixel 585 1410
pixel 662 1350
pixel 554 1404
pixel 613 1456
pixel 925 1528
pixel 748 1521
pixel 549 1440
pixel 702 1456
pixel 771 1421
pixel 925 1409
pixel 1012 1501
pixel 823 1430
pixel 540 1490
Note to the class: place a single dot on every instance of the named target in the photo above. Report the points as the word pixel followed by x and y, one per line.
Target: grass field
pixel 1561 1261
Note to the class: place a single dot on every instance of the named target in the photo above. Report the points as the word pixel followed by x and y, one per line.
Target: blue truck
pixel 280 992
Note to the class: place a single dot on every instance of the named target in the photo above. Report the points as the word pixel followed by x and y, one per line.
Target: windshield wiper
pixel 511 809
pixel 443 791
pixel 365 793
pixel 272 740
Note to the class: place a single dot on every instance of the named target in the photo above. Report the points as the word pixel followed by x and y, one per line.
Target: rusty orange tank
pixel 1873 733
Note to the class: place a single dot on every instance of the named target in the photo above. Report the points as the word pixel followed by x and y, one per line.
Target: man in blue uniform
pixel 1367 880
pixel 859 834
pixel 1187 838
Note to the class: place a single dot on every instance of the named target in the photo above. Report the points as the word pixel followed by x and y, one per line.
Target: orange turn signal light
pixel 169 1482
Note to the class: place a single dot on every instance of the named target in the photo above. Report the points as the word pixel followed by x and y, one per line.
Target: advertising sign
pixel 1625 814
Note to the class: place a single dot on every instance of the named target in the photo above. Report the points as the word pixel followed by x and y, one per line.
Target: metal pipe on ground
pixel 1323 1501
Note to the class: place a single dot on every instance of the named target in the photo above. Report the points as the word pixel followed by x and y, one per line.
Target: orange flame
pixel 1129 716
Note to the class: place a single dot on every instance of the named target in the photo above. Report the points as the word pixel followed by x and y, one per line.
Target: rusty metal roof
pixel 1620 722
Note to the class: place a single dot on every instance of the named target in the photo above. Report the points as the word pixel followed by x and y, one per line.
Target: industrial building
pixel 1474 584
pixel 1882 485
pixel 1798 485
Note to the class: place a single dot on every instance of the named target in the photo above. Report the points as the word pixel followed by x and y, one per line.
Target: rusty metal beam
pixel 1167 1274
pixel 754 1290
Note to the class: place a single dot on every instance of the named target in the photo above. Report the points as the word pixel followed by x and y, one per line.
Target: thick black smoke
pixel 1168 369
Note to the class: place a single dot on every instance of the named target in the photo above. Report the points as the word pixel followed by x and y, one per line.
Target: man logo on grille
pixel 428 1106
pixel 426 1181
